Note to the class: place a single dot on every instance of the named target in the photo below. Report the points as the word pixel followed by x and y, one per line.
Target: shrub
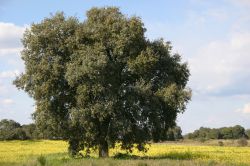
pixel 242 142
pixel 202 140
pixel 220 143
pixel 41 160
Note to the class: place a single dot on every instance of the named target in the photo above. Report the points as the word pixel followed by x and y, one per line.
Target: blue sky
pixel 213 36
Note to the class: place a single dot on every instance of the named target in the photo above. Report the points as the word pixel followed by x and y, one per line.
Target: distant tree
pixel 238 132
pixel 170 135
pixel 11 130
pixel 178 133
pixel 226 133
pixel 235 132
pixel 30 131
pixel 214 134
pixel 173 134
pixel 101 81
pixel 9 124
pixel 192 135
pixel 247 133
pixel 18 134
pixel 203 132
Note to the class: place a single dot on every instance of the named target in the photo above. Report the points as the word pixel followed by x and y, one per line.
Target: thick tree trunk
pixel 103 149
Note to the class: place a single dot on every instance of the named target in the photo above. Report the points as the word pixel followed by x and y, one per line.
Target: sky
pixel 213 36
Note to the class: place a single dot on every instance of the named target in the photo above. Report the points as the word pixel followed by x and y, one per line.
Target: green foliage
pixel 202 139
pixel 41 160
pixel 181 155
pixel 247 133
pixel 172 134
pixel 47 48
pixel 125 156
pixel 235 132
pixel 101 81
pixel 31 131
pixel 11 130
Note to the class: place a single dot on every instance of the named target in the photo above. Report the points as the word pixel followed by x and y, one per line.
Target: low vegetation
pixel 48 152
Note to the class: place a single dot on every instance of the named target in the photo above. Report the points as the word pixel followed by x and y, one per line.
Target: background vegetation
pixel 12 130
pixel 234 132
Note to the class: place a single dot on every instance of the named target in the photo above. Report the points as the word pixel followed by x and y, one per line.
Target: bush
pixel 202 140
pixel 242 142
pixel 125 156
pixel 220 143
pixel 42 160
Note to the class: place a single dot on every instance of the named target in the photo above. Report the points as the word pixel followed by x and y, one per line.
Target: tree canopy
pixel 11 130
pixel 234 132
pixel 101 81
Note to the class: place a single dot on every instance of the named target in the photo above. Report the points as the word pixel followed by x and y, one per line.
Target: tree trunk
pixel 103 149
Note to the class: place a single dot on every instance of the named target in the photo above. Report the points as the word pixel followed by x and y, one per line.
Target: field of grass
pixel 44 152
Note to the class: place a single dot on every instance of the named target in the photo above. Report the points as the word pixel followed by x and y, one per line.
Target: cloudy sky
pixel 213 36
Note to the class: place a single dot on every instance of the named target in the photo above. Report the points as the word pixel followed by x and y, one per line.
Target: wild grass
pixel 47 153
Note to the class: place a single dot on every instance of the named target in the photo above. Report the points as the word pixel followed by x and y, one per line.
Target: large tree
pixel 101 81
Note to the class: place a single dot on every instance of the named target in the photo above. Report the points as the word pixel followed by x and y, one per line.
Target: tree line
pixel 234 132
pixel 12 130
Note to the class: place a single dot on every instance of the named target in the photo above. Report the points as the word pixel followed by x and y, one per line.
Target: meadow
pixel 186 153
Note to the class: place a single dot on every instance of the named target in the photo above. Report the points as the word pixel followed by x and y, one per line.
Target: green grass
pixel 187 153
pixel 51 161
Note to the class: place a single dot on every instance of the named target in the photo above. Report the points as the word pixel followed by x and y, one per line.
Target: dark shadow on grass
pixel 171 155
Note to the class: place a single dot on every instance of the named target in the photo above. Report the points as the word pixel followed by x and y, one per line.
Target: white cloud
pixel 217 14
pixel 7 101
pixel 204 18
pixel 10 38
pixel 245 109
pixel 10 51
pixel 9 74
pixel 220 64
pixel 10 34
pixel 195 19
pixel 242 2
pixel 3 89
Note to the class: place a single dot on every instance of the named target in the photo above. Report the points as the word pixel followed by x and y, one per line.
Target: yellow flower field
pixel 216 153
pixel 18 151
pixel 22 151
